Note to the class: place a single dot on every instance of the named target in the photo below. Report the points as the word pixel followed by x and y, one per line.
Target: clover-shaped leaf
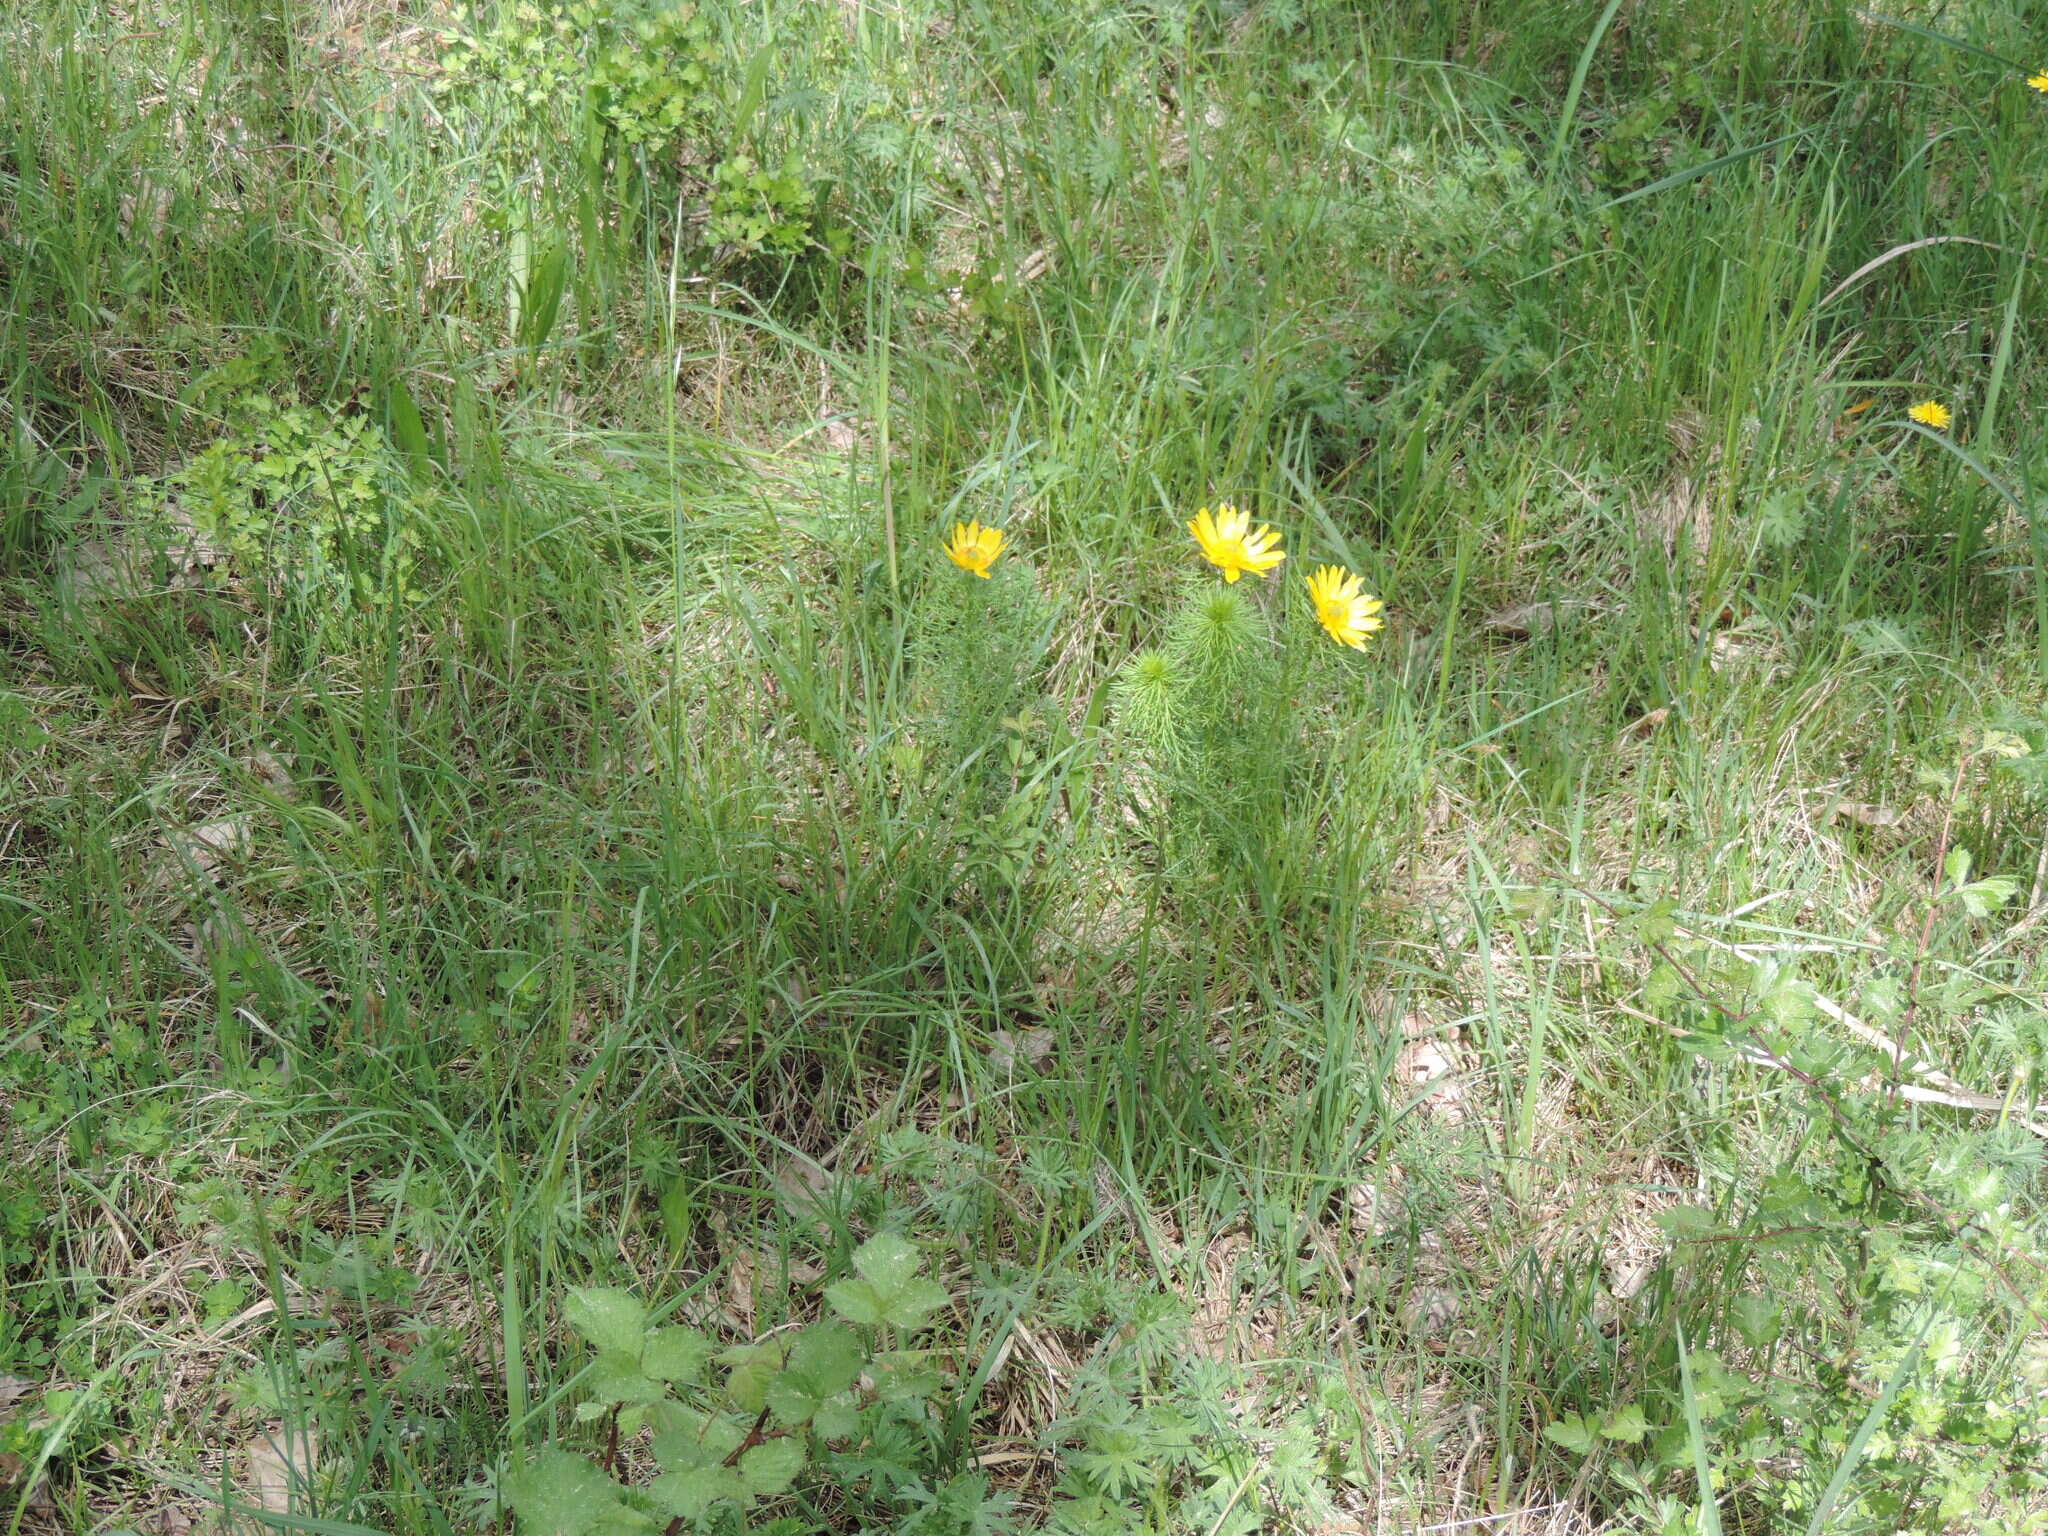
pixel 675 1354
pixel 687 1495
pixel 560 1494
pixel 771 1466
pixel 824 1361
pixel 888 1288
pixel 609 1318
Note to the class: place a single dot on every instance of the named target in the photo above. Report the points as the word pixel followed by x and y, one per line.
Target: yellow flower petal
pixel 1932 413
pixel 1343 607
pixel 974 548
pixel 1229 542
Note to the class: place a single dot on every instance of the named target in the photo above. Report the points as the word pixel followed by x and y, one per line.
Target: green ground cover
pixel 562 964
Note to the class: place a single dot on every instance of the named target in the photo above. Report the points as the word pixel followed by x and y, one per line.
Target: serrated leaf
pixel 2004 744
pixel 558 1493
pixel 1684 1221
pixel 827 1357
pixel 857 1301
pixel 771 1466
pixel 837 1420
pixel 1980 898
pixel 616 1378
pixel 886 1261
pixel 1756 1318
pixel 1672 1446
pixel 1783 518
pixel 687 1495
pixel 824 1360
pixel 915 1302
pixel 1625 1424
pixel 609 1318
pixel 1664 987
pixel 1572 1432
pixel 753 1369
pixel 908 1384
pixel 889 1289
pixel 688 1440
pixel 676 1353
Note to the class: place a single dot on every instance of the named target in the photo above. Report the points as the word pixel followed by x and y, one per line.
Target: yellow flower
pixel 2039 82
pixel 1344 607
pixel 975 548
pixel 1932 413
pixel 1229 544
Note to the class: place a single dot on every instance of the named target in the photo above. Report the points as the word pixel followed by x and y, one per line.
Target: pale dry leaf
pixel 803 1182
pixel 840 435
pixel 1647 722
pixel 1028 1046
pixel 1522 621
pixel 105 568
pixel 1626 1274
pixel 1428 1068
pixel 274 773
pixel 1368 1210
pixel 1429 1311
pixel 280 1466
pixel 212 843
pixel 1438 814
pixel 740 1268
pixel 1865 815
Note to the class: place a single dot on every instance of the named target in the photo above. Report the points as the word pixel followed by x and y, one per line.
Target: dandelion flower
pixel 1344 607
pixel 2039 82
pixel 975 548
pixel 1229 543
pixel 1932 413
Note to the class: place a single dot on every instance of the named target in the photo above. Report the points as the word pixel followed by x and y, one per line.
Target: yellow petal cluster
pixel 1230 543
pixel 1344 607
pixel 1932 413
pixel 975 548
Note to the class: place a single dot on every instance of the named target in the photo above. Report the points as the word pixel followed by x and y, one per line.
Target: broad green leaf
pixel 706 1440
pixel 2004 744
pixel 676 1354
pixel 823 1362
pixel 1980 898
pixel 616 1378
pixel 1672 1446
pixel 609 1318
pixel 903 1376
pixel 754 1367
pixel 837 1420
pixel 1664 987
pixel 828 1357
pixel 1684 1221
pixel 688 1495
pixel 1756 1318
pixel 886 1261
pixel 559 1494
pixel 1627 1424
pixel 1572 1432
pixel 771 1466
pixel 889 1288
pixel 857 1301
